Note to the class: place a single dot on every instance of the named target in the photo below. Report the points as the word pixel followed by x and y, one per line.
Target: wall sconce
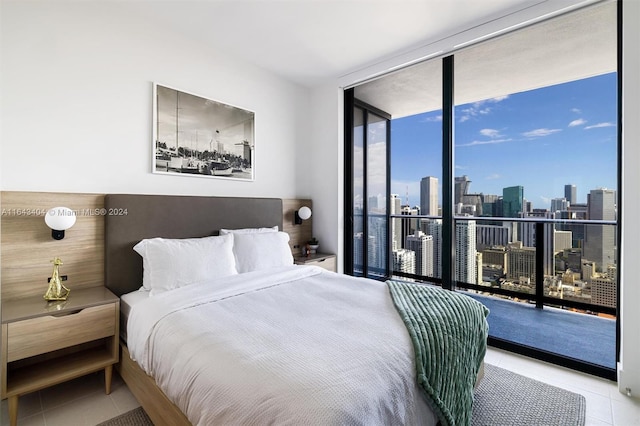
pixel 303 213
pixel 59 219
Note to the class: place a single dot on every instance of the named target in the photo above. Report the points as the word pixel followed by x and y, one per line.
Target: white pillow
pixel 174 263
pixel 248 230
pixel 261 250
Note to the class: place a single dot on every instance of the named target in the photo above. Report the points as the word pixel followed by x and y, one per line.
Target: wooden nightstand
pixel 44 344
pixel 326 261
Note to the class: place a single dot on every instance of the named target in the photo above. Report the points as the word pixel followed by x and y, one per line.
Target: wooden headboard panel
pixel 27 246
pixel 131 218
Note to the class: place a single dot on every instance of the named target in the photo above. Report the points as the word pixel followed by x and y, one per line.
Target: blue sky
pixel 541 139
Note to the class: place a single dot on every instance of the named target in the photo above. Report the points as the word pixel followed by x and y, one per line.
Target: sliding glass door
pixel 368 195
pixel 506 188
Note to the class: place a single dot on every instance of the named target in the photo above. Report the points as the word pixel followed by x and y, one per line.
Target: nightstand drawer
pixel 328 263
pixel 45 334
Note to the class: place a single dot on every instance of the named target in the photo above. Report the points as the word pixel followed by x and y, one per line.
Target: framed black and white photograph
pixel 195 136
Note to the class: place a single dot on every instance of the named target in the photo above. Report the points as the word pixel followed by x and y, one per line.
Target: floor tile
pixel 87 411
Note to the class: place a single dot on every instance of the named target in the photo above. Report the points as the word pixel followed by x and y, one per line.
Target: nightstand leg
pixel 13 410
pixel 108 372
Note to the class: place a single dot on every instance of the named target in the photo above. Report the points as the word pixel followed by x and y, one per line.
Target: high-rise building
pixel 462 184
pixel 422 245
pixel 604 291
pixel 571 194
pixel 429 196
pixel 433 228
pixel 404 261
pixel 521 264
pixel 409 226
pixel 396 224
pixel 358 252
pixel 496 256
pixel 599 240
pixel 466 259
pixel 529 238
pixel 561 241
pixel 559 204
pixel 489 205
pixel 492 235
pixel 512 201
pixel 377 254
pixel 474 203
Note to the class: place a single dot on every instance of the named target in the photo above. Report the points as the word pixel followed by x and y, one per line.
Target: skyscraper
pixel 521 264
pixel 466 254
pixel 434 228
pixel 599 240
pixel 404 261
pixel 422 245
pixel 409 226
pixel 429 196
pixel 396 224
pixel 462 184
pixel 571 194
pixel 560 204
pixel 512 201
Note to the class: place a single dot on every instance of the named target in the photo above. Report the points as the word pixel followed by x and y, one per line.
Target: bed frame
pixel 131 218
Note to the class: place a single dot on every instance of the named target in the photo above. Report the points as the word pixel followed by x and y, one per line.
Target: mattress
pixel 127 301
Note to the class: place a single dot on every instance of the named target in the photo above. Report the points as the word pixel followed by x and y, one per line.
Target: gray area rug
pixel 509 399
pixel 502 399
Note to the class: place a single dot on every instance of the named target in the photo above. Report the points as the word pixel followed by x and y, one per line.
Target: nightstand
pixel 326 261
pixel 44 344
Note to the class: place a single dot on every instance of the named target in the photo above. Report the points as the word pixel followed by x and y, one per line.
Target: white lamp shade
pixel 304 212
pixel 60 218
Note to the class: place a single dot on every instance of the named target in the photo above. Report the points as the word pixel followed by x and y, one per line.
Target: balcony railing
pixel 566 265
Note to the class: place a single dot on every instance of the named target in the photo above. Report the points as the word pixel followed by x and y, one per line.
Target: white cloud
pixel 460 167
pixel 500 98
pixel 599 125
pixel 493 176
pixel 576 110
pixel 546 200
pixel 578 122
pixel 432 119
pixel 538 133
pixel 492 133
pixel 490 142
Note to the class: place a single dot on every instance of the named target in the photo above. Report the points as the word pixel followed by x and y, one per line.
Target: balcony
pixel 548 297
pixel 583 337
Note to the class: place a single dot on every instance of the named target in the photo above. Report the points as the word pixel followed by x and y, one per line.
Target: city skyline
pixel 540 139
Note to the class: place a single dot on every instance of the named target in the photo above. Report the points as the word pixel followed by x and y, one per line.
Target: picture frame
pixel 200 137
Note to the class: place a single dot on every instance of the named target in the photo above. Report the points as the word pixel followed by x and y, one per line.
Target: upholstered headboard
pixel 131 218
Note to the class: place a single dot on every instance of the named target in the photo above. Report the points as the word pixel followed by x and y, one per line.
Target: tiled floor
pixel 82 402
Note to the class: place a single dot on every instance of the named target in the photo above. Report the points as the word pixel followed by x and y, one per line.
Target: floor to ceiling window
pixel 532 178
pixel 369 190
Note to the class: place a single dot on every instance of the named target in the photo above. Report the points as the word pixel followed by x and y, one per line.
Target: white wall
pixel 629 366
pixel 331 105
pixel 76 82
pixel 324 159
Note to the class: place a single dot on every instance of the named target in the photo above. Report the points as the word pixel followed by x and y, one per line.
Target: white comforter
pixel 297 345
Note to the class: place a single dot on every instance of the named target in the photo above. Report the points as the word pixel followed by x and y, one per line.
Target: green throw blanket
pixel 449 335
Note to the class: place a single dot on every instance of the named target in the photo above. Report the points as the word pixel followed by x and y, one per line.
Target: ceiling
pixel 569 47
pixel 310 41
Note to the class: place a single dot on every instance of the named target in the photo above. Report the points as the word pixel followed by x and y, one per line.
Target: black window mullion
pixel 348 184
pixel 448 226
pixel 365 196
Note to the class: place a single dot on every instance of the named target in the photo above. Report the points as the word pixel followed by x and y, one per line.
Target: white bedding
pixel 295 345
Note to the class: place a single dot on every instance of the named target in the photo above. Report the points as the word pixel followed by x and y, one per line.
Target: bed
pixel 275 343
